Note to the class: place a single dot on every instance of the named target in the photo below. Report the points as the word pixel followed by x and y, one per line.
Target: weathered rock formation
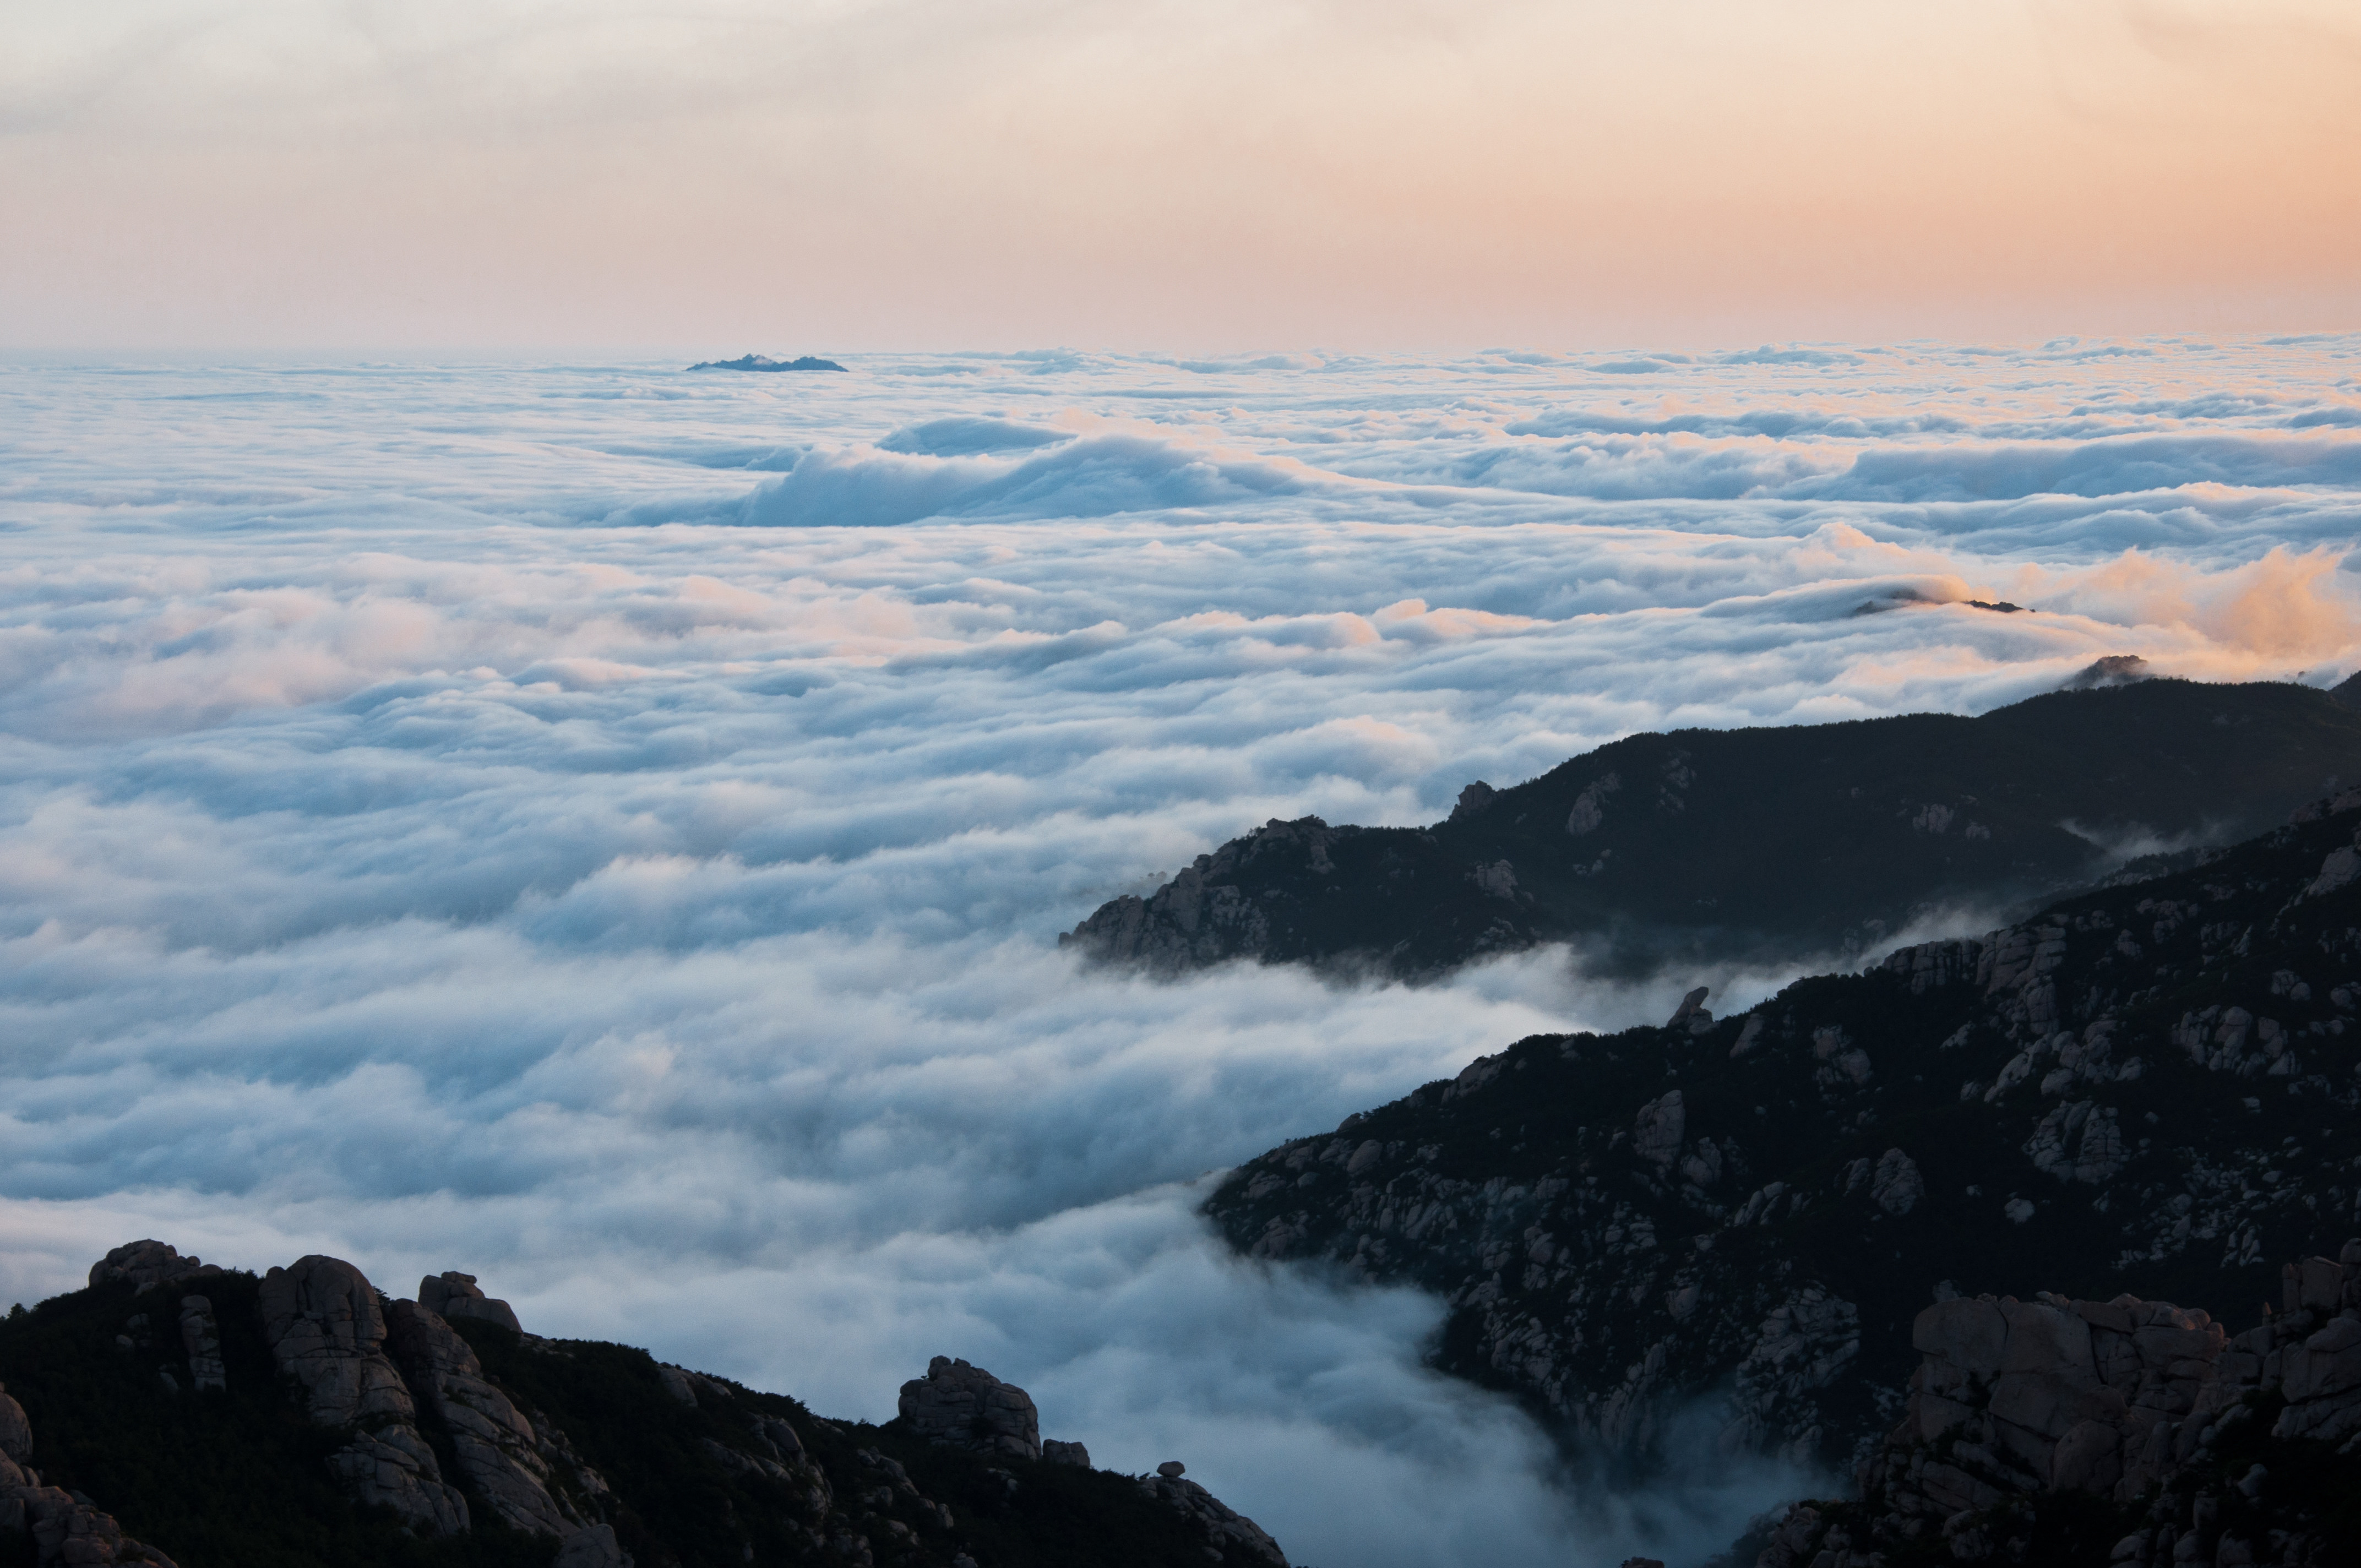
pixel 2131 1404
pixel 1774 844
pixel 962 1406
pixel 327 1330
pixel 146 1263
pixel 455 1295
pixel 499 1452
pixel 2149 1088
pixel 465 1430
pixel 967 1407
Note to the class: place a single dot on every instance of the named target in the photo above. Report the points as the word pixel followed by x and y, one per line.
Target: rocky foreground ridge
pixel 1772 844
pixel 180 1415
pixel 2150 1088
pixel 2125 1431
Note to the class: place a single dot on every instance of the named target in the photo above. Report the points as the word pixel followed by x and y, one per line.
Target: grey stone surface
pixel 392 1467
pixel 327 1330
pixel 2122 1398
pixel 497 1449
pixel 967 1407
pixel 456 1294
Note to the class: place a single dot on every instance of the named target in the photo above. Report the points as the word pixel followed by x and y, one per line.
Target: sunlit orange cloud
pixel 2281 616
pixel 905 173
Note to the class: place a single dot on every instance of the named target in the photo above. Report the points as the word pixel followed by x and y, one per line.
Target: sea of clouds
pixel 607 828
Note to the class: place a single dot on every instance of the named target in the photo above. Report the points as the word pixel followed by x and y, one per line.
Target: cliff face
pixel 2128 1430
pixel 2149 1087
pixel 179 1415
pixel 1753 843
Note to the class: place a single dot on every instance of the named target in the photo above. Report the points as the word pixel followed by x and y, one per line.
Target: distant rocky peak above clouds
pixel 1785 844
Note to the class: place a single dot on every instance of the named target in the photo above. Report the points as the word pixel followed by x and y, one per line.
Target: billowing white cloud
pixel 607 828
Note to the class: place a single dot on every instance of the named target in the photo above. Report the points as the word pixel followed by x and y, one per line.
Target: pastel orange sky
pixel 856 174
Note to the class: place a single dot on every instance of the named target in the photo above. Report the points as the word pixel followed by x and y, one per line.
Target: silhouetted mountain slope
pixel 1762 844
pixel 2150 1087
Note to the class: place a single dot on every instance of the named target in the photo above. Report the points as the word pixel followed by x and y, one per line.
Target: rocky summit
pixel 303 1417
pixel 1765 845
pixel 2147 1090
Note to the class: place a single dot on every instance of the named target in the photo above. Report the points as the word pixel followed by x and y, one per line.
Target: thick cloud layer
pixel 607 828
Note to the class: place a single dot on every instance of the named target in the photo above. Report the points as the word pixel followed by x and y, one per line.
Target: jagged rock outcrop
pixel 1769 844
pixel 2149 1088
pixel 622 1459
pixel 967 1407
pixel 326 1330
pixel 2143 1407
pixel 499 1452
pixel 145 1264
pixel 455 1295
pixel 64 1529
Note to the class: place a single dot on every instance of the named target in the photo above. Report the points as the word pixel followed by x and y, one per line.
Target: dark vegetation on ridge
pixel 1758 845
pixel 2150 1087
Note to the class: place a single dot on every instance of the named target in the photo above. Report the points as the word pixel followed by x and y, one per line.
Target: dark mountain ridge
pixel 2150 1087
pixel 1762 845
pixel 765 363
pixel 180 1415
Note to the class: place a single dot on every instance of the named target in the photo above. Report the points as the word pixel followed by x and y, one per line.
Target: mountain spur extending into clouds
pixel 617 821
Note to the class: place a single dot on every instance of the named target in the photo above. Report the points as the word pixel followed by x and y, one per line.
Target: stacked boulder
pixel 966 1406
pixel 452 1294
pixel 2126 1400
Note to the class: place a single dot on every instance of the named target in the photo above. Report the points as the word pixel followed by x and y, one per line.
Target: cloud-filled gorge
pixel 607 828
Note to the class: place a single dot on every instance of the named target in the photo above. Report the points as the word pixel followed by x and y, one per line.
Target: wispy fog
pixel 607 829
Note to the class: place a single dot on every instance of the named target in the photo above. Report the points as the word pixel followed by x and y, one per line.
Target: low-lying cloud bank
pixel 435 829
